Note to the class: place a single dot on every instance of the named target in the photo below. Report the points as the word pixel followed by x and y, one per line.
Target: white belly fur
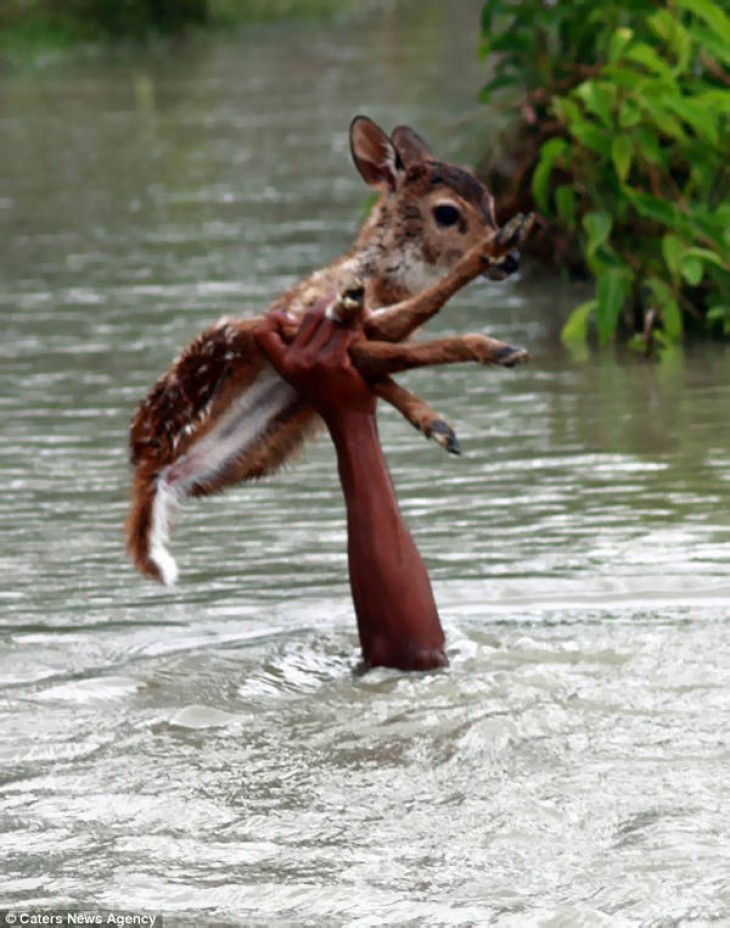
pixel 241 426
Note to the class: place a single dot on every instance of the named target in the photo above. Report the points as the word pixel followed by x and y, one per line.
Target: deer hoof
pixel 515 231
pixel 510 357
pixel 505 266
pixel 348 307
pixel 442 433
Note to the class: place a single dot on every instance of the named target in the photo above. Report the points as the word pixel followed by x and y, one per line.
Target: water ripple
pixel 210 750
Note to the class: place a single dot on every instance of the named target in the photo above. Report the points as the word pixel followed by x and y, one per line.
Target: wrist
pixel 360 460
pixel 349 428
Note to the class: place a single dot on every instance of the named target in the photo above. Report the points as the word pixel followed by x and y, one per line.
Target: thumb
pixel 268 337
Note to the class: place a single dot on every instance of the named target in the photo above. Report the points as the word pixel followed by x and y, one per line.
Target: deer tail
pixel 154 505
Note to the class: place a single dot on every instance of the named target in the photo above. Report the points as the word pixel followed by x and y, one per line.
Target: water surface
pixel 206 751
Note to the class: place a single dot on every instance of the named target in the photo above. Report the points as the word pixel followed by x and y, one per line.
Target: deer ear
pixel 410 146
pixel 374 154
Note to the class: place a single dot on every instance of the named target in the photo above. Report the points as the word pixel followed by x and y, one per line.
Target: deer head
pixel 429 213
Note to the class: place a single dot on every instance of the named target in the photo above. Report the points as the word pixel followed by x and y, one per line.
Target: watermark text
pixel 67 918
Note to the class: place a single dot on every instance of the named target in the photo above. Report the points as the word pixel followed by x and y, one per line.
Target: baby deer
pixel 221 414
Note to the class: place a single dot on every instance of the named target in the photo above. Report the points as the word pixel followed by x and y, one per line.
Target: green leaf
pixel 652 207
pixel 637 343
pixel 648 146
pixel 622 152
pixel 645 55
pixel 576 327
pixel 659 289
pixel 565 204
pixel 668 307
pixel 673 249
pixel 590 136
pixel 669 351
pixel 719 315
pixel 692 270
pixel 625 76
pixel 613 287
pixel 700 118
pixel 549 154
pixel 717 100
pixel 629 114
pixel 711 44
pixel 668 27
pixel 567 111
pixel 598 227
pixel 513 41
pixel 491 9
pixel 672 319
pixel 619 40
pixel 598 98
pixel 715 18
pixel 704 254
pixel 665 122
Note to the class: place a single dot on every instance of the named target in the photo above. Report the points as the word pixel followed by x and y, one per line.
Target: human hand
pixel 315 361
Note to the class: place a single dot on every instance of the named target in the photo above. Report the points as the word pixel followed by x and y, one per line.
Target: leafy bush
pixel 627 108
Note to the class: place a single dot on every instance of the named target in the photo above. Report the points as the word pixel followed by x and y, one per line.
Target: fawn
pixel 221 414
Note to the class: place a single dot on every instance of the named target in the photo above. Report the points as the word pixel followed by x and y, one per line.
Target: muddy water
pixel 207 752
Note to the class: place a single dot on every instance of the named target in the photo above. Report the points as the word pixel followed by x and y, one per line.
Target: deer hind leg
pixel 378 359
pixel 398 321
pixel 418 412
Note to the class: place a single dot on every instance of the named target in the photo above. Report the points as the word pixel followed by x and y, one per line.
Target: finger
pixel 269 322
pixel 330 326
pixel 335 354
pixel 327 331
pixel 310 323
pixel 352 336
pixel 334 340
pixel 287 324
pixel 268 338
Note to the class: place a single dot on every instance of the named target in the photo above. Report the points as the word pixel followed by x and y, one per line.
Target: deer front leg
pixel 418 412
pixel 397 322
pixel 377 359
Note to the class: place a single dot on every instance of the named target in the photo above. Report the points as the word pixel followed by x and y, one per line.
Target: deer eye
pixel 446 215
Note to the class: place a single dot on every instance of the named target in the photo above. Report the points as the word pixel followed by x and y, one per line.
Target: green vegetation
pixel 61 22
pixel 621 139
pixel 30 25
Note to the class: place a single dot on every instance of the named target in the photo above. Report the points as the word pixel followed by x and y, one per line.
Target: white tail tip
pixel 167 502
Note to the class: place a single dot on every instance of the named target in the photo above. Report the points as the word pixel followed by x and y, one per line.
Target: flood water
pixel 207 752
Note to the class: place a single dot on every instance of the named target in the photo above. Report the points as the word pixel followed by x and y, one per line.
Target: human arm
pixel 397 619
